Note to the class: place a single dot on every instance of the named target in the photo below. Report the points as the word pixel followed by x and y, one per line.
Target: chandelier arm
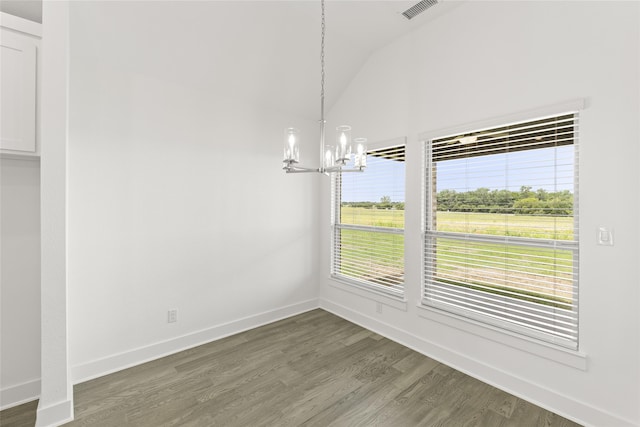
pixel 301 169
pixel 343 169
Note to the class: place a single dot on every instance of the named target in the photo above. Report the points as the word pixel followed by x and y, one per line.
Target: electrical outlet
pixel 172 315
pixel 379 307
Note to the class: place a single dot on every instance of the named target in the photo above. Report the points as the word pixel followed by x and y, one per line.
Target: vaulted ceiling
pixel 265 51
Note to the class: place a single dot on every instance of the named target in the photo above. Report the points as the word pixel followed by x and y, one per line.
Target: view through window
pixel 368 222
pixel 501 241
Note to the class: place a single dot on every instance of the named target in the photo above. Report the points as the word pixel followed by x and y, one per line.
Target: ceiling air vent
pixel 418 8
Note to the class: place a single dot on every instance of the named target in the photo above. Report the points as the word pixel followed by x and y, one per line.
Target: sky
pixel 548 168
pixel 382 177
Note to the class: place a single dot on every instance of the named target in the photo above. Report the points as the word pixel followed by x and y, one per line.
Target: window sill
pixel 567 357
pixel 395 300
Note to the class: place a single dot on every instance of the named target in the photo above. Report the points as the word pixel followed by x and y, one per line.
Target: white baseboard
pixel 55 415
pixel 560 404
pixel 20 393
pixel 118 362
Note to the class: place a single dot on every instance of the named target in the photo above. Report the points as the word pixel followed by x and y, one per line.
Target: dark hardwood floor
pixel 23 415
pixel 314 369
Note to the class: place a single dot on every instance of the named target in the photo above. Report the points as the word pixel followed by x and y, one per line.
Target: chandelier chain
pixel 322 64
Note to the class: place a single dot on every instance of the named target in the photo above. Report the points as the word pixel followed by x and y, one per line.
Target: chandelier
pixel 332 159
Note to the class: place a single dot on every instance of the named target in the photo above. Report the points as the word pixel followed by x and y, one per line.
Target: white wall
pixel 19 280
pixel 20 271
pixel 176 197
pixel 492 59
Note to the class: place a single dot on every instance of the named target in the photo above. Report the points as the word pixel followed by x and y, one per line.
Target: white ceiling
pixel 265 51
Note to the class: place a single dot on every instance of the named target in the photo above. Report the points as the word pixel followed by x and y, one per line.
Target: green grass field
pixel 372 217
pixel 531 268
pixel 541 227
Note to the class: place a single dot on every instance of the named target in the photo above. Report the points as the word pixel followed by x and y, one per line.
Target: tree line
pixel 526 201
pixel 384 203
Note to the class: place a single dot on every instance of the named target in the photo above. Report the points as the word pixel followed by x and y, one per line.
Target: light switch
pixel 605 236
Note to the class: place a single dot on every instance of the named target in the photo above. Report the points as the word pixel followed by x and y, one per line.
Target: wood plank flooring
pixel 314 369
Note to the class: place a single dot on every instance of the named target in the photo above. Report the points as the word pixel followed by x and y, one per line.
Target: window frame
pixel 369 288
pixel 461 314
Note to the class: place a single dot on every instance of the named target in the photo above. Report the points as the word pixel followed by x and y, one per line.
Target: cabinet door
pixel 17 92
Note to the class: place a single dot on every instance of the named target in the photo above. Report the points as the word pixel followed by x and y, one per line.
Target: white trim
pixel 571 106
pixel 117 362
pixel 539 395
pixel 18 394
pixel 21 25
pixel 56 414
pixel 369 292
pixel 56 391
pixel 574 359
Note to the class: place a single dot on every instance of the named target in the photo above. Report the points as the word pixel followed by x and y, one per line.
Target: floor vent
pixel 418 8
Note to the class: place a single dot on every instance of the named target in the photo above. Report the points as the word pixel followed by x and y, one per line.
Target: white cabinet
pixel 18 91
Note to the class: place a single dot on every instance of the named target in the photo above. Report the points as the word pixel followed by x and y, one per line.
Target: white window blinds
pixel 368 222
pixel 501 235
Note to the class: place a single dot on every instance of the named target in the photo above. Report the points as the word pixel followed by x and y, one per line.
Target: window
pixel 501 227
pixel 368 222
